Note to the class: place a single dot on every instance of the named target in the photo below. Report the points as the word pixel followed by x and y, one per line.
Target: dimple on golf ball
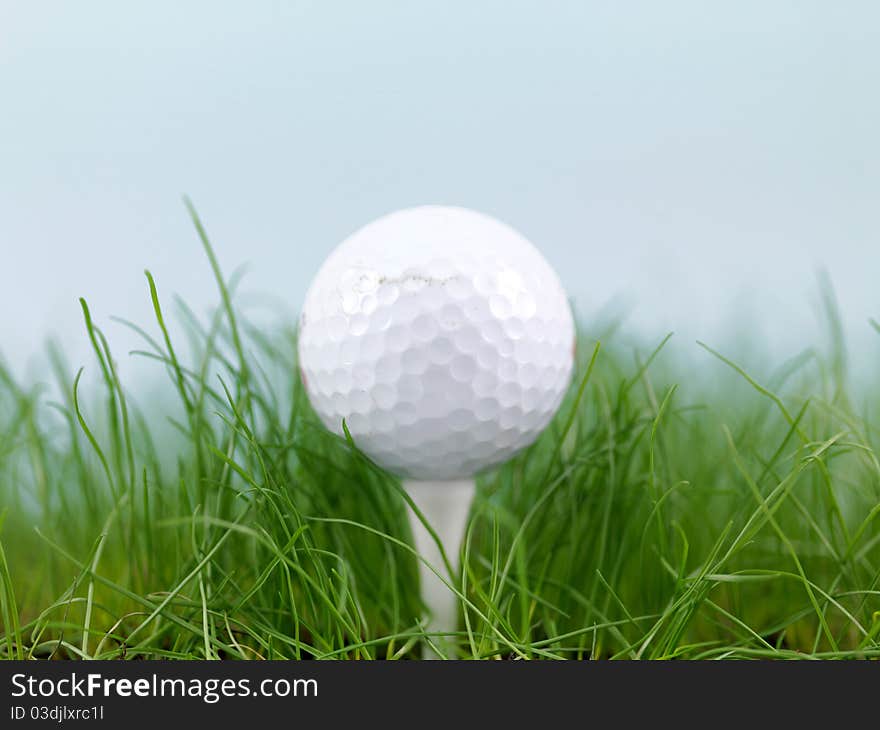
pixel 442 337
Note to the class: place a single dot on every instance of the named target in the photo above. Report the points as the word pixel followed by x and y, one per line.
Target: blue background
pixel 698 159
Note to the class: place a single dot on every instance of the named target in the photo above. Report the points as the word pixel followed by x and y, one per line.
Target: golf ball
pixel 442 337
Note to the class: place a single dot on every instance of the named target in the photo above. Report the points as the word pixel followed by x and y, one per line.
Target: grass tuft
pixel 662 515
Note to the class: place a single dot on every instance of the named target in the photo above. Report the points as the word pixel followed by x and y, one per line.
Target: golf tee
pixel 445 505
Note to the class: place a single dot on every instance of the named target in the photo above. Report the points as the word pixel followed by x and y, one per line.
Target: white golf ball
pixel 442 337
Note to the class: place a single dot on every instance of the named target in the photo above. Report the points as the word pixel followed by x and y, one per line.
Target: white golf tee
pixel 445 505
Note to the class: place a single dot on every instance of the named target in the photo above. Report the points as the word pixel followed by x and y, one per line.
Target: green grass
pixel 676 508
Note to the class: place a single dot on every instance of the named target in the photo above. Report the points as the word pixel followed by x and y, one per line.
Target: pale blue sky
pixel 700 158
